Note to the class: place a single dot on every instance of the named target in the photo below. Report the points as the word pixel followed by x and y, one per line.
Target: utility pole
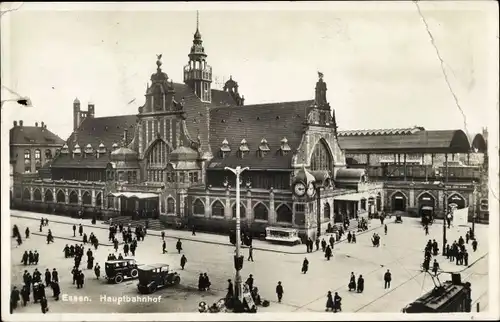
pixel 237 279
pixel 445 213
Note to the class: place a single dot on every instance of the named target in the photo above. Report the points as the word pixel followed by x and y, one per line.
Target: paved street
pixel 401 251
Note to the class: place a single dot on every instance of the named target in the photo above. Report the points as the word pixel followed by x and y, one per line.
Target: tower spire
pixel 197 20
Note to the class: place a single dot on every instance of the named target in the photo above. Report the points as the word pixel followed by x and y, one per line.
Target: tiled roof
pixel 33 135
pixel 221 98
pixel 106 130
pixel 253 123
pixel 397 131
pixel 443 140
pixel 478 142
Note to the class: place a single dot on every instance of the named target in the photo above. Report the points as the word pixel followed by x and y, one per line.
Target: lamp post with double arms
pixel 237 279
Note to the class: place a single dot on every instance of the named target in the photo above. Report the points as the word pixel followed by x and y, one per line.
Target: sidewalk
pixel 185 235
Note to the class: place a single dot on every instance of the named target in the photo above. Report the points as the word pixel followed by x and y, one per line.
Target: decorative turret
pixel 160 95
pixel 232 87
pixel 197 73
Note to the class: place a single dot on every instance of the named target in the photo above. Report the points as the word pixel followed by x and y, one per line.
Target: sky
pixel 378 60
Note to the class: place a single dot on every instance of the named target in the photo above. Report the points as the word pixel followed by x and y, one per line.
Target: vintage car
pixel 155 276
pixel 119 269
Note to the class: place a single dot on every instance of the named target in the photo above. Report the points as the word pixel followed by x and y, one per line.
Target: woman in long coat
pixel 305 265
pixel 329 301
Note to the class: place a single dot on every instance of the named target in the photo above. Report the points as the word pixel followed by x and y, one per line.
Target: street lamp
pixel 237 279
pixel 445 210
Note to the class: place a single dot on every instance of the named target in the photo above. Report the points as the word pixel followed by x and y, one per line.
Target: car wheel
pixel 152 288
pixel 118 279
pixel 177 280
pixel 134 273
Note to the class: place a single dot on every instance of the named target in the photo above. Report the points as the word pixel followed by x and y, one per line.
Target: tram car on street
pixel 448 297
pixel 155 276
pixel 427 214
pixel 120 269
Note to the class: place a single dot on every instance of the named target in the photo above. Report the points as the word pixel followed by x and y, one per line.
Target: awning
pixel 139 195
pixel 351 197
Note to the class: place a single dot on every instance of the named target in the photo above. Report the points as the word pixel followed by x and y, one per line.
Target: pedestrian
pixel 323 245
pixel 80 230
pixel 305 265
pixel 279 291
pixel 435 267
pixel 25 294
pixel 14 299
pixel 85 239
pixel 474 245
pixel 44 305
pixel 249 281
pixel 466 258
pixel 352 282
pixel 74 272
pixel 206 281
pixel 183 261
pixel 230 290
pixel 27 233
pixel 164 247
pixel 361 284
pixel 55 276
pixel 125 249
pixel 331 240
pixel 337 303
pixel 385 229
pixel 426 228
pixel 317 244
pixel 467 237
pixel 201 286
pixel 48 277
pixel 250 253
pixel 387 279
pixel 329 302
pixel 328 253
pixel 162 235
pixel 90 262
pixel 19 240
pixel 56 289
pixel 353 238
pixel 349 237
pixel 178 246
pixel 193 229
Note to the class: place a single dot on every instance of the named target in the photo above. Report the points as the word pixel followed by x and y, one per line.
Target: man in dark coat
pixel 56 289
pixel 349 237
pixel 201 286
pixel 361 284
pixel 164 247
pixel 352 282
pixel 14 299
pixel 323 244
pixel 337 303
pixel 36 257
pixel 44 305
pixel 183 261
pixel 48 277
pixel 178 246
pixel 249 281
pixel 279 291
pixel 162 235
pixel 27 233
pixel 317 243
pixel 328 252
pixel 25 294
pixel 55 276
pixel 387 279
pixel 331 241
pixel 74 230
pixel 305 266
pixel 25 258
pixel 97 270
pixel 80 229
pixel 474 245
pixel 31 258
pixel 74 272
pixel 230 290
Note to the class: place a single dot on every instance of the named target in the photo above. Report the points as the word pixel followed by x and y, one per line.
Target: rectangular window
pixel 170 177
pixel 190 177
pixel 195 177
pixel 182 177
pixel 300 207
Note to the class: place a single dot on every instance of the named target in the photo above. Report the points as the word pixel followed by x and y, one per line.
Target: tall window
pixel 170 206
pixel 73 197
pixel 38 159
pixel 61 197
pixel 27 161
pixel 284 214
pixel 321 158
pixel 48 154
pixel 157 159
pixel 198 207
pixel 87 198
pixel 326 211
pixel 98 199
pixel 37 195
pixel 217 209
pixel 49 197
pixel 242 211
pixel 260 212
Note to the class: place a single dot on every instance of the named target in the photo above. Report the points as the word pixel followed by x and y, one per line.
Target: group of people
pixel 431 249
pixel 376 240
pixel 30 258
pixel 458 252
pixel 360 284
pixel 17 235
pixel 204 282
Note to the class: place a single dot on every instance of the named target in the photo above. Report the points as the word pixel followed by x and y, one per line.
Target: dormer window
pixel 65 149
pixel 285 148
pixel 114 146
pixel 102 148
pixel 243 148
pixel 77 149
pixel 263 148
pixel 225 149
pixel 88 149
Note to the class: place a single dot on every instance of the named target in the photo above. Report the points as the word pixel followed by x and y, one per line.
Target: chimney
pixel 36 124
pixel 15 123
pixel 21 123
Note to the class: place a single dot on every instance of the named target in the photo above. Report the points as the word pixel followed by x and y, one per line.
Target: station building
pixel 169 160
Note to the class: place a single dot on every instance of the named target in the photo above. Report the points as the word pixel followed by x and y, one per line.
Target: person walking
pixel 305 266
pixel 385 229
pixel 279 291
pixel 387 279
pixel 178 246
pixel 164 247
pixel 250 253
pixel 183 261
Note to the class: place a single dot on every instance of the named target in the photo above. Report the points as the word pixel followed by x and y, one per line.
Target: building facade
pixel 170 160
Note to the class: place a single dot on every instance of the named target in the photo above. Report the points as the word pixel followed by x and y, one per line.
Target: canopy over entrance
pixel 138 195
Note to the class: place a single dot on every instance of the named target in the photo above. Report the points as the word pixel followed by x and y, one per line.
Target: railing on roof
pixel 421 172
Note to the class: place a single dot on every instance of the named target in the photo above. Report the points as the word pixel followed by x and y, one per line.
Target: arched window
pixel 48 154
pixel 217 209
pixel 157 159
pixel 242 211
pixel 326 210
pixel 49 196
pixel 73 197
pixel 61 197
pixel 38 159
pixel 260 212
pixel 170 206
pixel 284 214
pixel 37 195
pixel 198 207
pixel 98 200
pixel 321 158
pixel 26 194
pixel 363 203
pixel 27 161
pixel 86 198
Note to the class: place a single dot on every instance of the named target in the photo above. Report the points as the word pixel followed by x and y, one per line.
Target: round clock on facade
pixel 299 189
pixel 310 190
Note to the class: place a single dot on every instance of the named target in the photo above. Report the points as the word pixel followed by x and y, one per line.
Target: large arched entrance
pixel 398 201
pixel 456 199
pixel 426 204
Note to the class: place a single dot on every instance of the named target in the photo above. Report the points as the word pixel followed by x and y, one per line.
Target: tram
pixel 448 297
